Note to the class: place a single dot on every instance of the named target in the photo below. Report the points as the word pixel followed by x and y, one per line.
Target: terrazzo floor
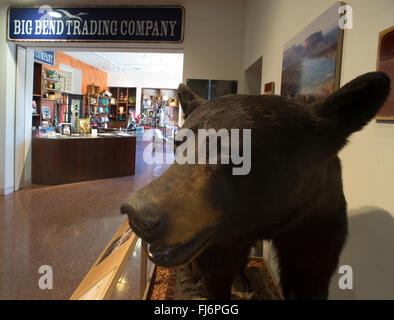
pixel 65 227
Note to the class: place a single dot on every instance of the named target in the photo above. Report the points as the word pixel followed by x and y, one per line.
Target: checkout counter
pixel 65 159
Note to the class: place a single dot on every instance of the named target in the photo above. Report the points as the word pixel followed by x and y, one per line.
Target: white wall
pixel 368 160
pixel 7 107
pixel 213 41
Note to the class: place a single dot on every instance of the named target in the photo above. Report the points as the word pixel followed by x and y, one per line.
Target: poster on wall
pixel 385 63
pixel 312 59
pixel 98 23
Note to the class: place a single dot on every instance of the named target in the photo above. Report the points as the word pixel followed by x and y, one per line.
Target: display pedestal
pixel 101 279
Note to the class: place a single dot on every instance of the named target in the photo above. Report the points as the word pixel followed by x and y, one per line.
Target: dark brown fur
pixel 293 193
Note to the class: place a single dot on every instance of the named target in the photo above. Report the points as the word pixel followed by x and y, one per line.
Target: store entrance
pixel 95 94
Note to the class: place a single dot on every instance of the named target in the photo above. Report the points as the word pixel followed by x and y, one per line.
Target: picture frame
pixel 34 107
pixel 385 63
pixel 172 102
pixel 312 59
pixel 46 112
pixel 66 129
pixel 269 88
pixel 83 125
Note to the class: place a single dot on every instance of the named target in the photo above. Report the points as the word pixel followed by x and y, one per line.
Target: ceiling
pixel 129 61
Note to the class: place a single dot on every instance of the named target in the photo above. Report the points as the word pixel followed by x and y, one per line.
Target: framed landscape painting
pixel 312 59
pixel 385 63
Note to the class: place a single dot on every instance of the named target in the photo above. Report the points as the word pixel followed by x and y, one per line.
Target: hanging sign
pixel 98 24
pixel 47 57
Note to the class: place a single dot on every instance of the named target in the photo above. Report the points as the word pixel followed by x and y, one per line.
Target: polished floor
pixel 65 227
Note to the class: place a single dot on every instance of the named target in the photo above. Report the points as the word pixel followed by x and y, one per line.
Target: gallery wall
pixel 368 160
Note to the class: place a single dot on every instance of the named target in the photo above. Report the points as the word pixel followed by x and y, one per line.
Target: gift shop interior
pixel 85 93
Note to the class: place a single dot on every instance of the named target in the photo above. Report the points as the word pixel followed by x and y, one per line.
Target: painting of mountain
pixel 312 59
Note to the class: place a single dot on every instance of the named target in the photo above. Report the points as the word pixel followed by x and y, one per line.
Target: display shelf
pixel 98 104
pixel 50 89
pixel 60 80
pixel 125 98
pixel 43 94
pixel 160 97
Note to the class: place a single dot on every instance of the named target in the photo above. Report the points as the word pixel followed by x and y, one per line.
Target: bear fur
pixel 293 193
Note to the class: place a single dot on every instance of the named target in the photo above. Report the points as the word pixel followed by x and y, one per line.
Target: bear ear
pixel 351 107
pixel 189 100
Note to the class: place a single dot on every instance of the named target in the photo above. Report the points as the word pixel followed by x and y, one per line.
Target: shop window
pixel 68 76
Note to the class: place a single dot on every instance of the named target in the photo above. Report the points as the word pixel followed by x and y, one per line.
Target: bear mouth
pixel 180 254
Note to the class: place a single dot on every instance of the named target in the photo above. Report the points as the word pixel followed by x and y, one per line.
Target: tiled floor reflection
pixel 66 227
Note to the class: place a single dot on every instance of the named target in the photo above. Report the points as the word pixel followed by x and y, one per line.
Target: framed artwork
pixel 46 113
pixel 66 129
pixel 312 59
pixel 269 88
pixel 34 106
pixel 83 125
pixel 385 63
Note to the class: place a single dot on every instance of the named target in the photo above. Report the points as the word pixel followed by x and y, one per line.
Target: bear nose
pixel 142 217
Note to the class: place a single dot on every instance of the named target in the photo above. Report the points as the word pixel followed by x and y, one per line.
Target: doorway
pixel 253 76
pixel 130 73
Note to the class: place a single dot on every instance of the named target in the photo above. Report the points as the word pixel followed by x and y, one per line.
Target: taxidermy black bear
pixel 292 194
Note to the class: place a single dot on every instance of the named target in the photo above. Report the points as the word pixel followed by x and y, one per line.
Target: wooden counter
pixel 60 160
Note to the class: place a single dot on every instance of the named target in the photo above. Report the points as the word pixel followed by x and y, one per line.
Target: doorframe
pixel 253 77
pixel 23 122
pixel 24 94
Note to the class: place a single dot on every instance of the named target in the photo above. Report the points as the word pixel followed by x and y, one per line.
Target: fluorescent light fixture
pixel 54 14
